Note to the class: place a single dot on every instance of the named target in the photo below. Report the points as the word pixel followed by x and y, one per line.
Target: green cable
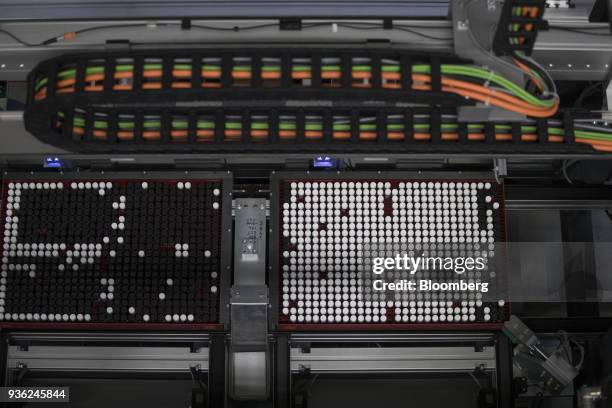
pixel 205 124
pixel 211 67
pixel 493 77
pixel 151 124
pixel 367 127
pixel 40 83
pixel 301 68
pixel 327 68
pixel 152 67
pixel 395 126
pixel 286 126
pixel 583 134
pixel 270 68
pixel 486 75
pixel 259 126
pixel 242 68
pixel 180 124
pixel 67 73
pixel 100 124
pixel 182 67
pixel 362 68
pixel 390 68
pixel 94 70
pixel 124 68
pixel 233 125
pixel 313 126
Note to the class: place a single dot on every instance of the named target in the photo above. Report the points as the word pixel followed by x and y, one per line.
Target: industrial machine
pixel 306 204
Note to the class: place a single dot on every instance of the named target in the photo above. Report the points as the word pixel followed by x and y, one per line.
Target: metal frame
pixel 106 358
pixel 392 359
pixel 34 10
pixel 225 260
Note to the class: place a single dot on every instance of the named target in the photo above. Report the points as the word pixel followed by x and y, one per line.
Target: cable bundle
pixel 241 97
pixel 247 71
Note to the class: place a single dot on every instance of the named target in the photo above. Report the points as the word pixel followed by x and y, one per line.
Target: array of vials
pixel 328 227
pixel 112 251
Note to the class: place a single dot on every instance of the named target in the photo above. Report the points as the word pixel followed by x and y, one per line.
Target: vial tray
pixel 324 225
pixel 123 250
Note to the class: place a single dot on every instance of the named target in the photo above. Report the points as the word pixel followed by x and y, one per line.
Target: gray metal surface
pixel 67 337
pixel 392 359
pixel 17 60
pixel 249 379
pixel 249 352
pixel 106 358
pixel 415 337
pixel 557 204
pixel 250 241
pixel 122 9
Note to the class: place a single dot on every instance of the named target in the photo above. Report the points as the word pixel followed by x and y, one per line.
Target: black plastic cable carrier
pixel 270 101
pixel 518 26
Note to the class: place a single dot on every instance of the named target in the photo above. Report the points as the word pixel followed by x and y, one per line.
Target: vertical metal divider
pixel 192 126
pixel 217 363
pixel 227 246
pixel 52 79
pixel 328 126
pixel 250 354
pixel 354 126
pixel 68 129
pixel 109 74
pixel 406 72
pixel 196 71
pixel 516 132
pixel 436 75
pixel 273 124
pixel 138 71
pixel 89 124
pixel 315 67
pixel 381 130
pixel 167 64
pixel 246 126
pixel 282 356
pixel 489 133
pixel 111 130
pixel 286 81
pixel 226 70
pixel 542 129
pixel 138 125
pixel 435 128
pixel 409 125
pixel 346 70
pixel 219 125
pixel 300 125
pixel 463 132
pixel 282 371
pixel 79 82
pixel 256 63
pixel 165 125
pixel 376 71
pixel 568 126
pixel 273 247
pixel 503 356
